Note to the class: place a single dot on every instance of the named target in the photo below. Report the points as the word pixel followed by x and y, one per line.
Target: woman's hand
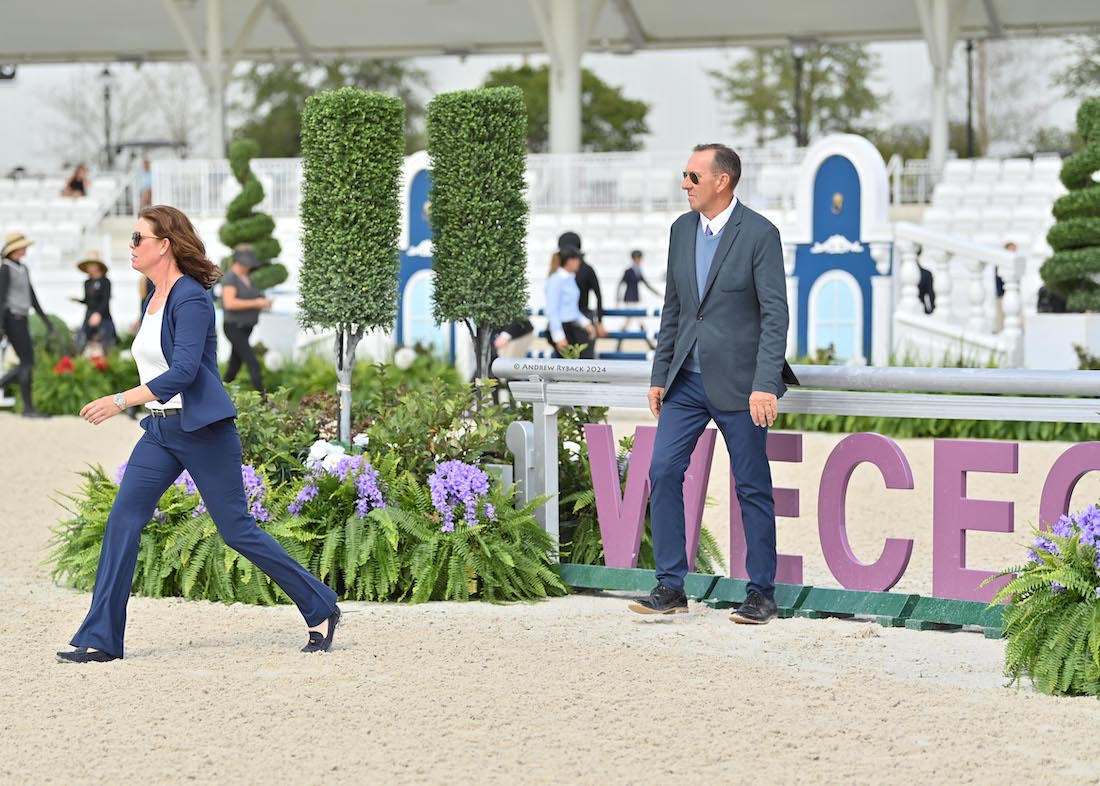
pixel 95 412
pixel 95 319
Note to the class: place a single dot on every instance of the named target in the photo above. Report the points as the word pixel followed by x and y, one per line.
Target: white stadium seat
pixel 986 170
pixel 1005 194
pixel 1046 167
pixel 938 218
pixel 958 170
pixel 947 194
pixel 976 193
pixel 1015 170
pixel 965 220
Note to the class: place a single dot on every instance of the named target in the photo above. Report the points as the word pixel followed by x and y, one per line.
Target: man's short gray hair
pixel 725 160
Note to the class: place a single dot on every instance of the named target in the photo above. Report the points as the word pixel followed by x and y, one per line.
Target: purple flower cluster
pixel 357 468
pixel 255 489
pixel 457 483
pixel 1086 525
pixel 624 463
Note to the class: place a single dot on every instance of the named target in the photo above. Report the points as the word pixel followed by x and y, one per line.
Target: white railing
pixel 204 187
pixel 912 181
pixel 968 322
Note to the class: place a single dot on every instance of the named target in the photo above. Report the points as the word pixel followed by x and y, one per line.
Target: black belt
pixel 165 413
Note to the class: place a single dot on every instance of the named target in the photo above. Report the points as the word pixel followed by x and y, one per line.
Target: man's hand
pixel 95 412
pixel 590 329
pixel 601 331
pixel 561 345
pixel 764 408
pixel 656 396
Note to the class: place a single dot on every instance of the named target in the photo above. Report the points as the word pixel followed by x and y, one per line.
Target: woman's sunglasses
pixel 135 238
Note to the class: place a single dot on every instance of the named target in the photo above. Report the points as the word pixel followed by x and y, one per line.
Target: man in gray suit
pixel 719 357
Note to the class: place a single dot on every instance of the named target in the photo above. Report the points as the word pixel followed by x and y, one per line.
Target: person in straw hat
pixel 16 300
pixel 98 324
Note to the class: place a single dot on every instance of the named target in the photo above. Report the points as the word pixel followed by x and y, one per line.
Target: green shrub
pixel 244 225
pixel 1074 268
pixel 1052 620
pixel 477 141
pixel 56 344
pixel 353 148
pixel 63 386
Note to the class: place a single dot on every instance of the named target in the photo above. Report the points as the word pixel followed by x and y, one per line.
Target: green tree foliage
pixel 353 148
pixel 244 225
pixel 835 93
pixel 1074 269
pixel 1082 78
pixel 276 93
pixel 477 145
pixel 610 121
pixel 911 141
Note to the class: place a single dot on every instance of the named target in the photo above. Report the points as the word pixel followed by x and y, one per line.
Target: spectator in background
pixel 629 294
pixel 587 283
pixel 242 303
pixel 144 184
pixel 17 298
pixel 98 324
pixel 77 185
pixel 926 292
pixel 999 284
pixel 565 322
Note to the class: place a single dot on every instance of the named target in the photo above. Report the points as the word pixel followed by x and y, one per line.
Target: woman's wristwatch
pixel 120 401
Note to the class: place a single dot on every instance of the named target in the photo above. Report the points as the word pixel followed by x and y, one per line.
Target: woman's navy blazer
pixel 190 345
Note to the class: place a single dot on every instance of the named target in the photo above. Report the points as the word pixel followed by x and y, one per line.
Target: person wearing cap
pixel 98 323
pixel 588 283
pixel 191 426
pixel 242 303
pixel 17 298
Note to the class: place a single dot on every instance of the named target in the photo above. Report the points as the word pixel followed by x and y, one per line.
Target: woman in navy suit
pixel 190 426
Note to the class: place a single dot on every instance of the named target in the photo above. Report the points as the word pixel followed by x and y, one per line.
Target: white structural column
pixel 882 306
pixel 940 22
pixel 216 84
pixel 565 26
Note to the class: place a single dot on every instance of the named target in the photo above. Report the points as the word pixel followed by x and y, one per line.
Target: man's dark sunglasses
pixel 135 238
pixel 694 176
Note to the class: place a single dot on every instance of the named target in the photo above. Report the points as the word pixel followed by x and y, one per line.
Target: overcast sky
pixel 683 108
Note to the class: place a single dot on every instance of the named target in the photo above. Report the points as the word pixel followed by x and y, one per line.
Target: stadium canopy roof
pixel 215 34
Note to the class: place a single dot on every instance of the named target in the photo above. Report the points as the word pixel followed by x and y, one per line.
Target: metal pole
pixel 970 98
pixel 799 56
pixel 110 157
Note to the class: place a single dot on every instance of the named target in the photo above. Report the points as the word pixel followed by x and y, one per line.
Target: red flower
pixel 64 366
pixel 99 362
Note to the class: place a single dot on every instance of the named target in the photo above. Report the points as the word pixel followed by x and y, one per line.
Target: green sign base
pixel 891 609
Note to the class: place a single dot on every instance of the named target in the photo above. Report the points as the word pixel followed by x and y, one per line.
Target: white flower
pixel 125 355
pixel 321 451
pixel 572 447
pixel 360 440
pixel 404 358
pixel 273 360
pixel 332 459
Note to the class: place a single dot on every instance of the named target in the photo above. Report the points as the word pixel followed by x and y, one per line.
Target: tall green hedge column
pixel 1074 270
pixel 242 225
pixel 353 145
pixel 477 142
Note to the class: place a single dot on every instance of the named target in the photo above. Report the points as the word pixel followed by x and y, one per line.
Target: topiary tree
pixel 353 146
pixel 242 225
pixel 1074 269
pixel 477 143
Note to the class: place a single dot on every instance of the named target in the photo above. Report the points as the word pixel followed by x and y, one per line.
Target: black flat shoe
pixel 319 643
pixel 83 655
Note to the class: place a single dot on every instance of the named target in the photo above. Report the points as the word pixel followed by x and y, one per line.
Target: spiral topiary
pixel 1074 269
pixel 245 226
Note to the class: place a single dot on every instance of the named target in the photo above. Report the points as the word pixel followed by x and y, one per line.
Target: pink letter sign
pixel 622 515
pixel 953 514
pixel 849 453
pixel 1070 467
pixel 788 568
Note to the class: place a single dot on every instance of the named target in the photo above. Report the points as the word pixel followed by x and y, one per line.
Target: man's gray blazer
pixel 741 321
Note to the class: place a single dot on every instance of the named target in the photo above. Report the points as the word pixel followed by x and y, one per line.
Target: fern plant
pixel 1052 620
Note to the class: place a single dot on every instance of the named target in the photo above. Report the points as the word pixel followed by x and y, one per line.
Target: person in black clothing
pixel 630 295
pixel 242 303
pixel 77 185
pixel 98 324
pixel 587 283
pixel 16 300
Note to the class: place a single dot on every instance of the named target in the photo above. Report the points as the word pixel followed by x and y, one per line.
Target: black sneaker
pixel 663 600
pixel 84 655
pixel 756 610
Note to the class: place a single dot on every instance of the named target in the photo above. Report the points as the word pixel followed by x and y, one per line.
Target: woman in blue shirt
pixel 566 323
pixel 190 426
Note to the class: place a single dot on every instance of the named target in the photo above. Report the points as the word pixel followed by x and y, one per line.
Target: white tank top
pixel 150 357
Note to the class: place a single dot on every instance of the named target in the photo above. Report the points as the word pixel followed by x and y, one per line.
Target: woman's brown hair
pixel 188 249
